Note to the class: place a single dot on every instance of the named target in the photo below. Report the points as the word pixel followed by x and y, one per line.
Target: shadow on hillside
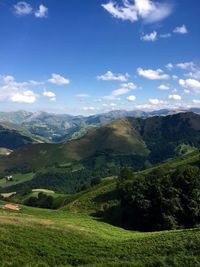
pixel 109 208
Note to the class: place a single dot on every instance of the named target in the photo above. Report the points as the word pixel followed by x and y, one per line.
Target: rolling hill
pixel 61 127
pixel 70 236
pixel 126 141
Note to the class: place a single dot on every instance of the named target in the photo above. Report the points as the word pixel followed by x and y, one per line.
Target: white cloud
pixel 130 86
pixel 109 76
pixel 155 101
pixel 151 37
pixel 163 87
pixel 24 97
pixel 175 77
pixel 169 66
pixel 50 95
pixel 175 97
pixel 153 74
pixel 190 83
pixel 88 108
pixel 186 91
pixel 186 65
pixel 11 90
pixel 120 91
pixel 131 98
pixel 195 74
pixel 196 101
pixel 82 95
pixel 8 79
pixel 113 104
pixel 124 89
pixel 58 79
pixel 182 29
pixel 23 8
pixel 146 10
pixel 42 12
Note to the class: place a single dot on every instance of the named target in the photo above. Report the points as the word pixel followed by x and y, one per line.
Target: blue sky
pixel 92 56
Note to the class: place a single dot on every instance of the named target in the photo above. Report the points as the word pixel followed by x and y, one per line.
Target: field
pixel 70 236
pixel 39 237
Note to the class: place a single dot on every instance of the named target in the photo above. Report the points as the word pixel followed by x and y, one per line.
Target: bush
pixel 161 200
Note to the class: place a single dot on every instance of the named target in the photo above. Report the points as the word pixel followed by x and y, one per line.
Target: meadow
pixel 40 237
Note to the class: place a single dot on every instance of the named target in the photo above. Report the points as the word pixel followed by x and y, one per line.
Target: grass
pixel 71 237
pixel 17 179
pixel 35 237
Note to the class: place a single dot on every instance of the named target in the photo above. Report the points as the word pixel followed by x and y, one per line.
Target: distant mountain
pixel 16 117
pixel 60 127
pixel 132 141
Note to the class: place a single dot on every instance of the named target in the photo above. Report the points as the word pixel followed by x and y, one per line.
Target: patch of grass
pixel 35 237
pixel 17 179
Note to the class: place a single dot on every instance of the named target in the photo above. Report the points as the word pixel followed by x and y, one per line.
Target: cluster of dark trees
pixel 42 201
pixel 160 200
pixel 67 182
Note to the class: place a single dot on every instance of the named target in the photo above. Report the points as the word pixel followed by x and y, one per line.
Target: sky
pixel 93 56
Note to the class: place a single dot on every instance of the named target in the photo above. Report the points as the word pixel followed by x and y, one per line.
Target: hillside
pixel 35 237
pixel 117 138
pixel 61 127
pixel 11 138
pixel 127 141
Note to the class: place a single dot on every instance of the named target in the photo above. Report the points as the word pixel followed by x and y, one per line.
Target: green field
pixel 17 179
pixel 39 237
pixel 71 236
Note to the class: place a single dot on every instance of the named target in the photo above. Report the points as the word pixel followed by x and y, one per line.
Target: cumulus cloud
pixel 169 66
pixel 155 101
pixel 50 95
pixel 23 8
pixel 153 74
pixel 58 79
pixel 131 98
pixel 146 10
pixel 163 87
pixel 151 37
pixel 175 97
pixel 186 65
pixel 181 30
pixel 20 92
pixel 124 89
pixel 130 86
pixel 42 12
pixel 190 83
pixel 109 76
pixel 24 97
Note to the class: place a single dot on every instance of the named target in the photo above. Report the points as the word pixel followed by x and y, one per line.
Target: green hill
pixel 39 237
pixel 127 141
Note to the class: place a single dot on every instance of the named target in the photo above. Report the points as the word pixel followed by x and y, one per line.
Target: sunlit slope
pixel 118 138
pixel 38 237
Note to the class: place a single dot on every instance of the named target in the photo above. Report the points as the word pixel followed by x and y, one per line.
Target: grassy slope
pixel 93 199
pixel 17 179
pixel 58 238
pixel 70 237
pixel 118 137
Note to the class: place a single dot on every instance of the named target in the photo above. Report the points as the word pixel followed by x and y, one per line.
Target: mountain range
pixel 55 128
pixel 132 141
